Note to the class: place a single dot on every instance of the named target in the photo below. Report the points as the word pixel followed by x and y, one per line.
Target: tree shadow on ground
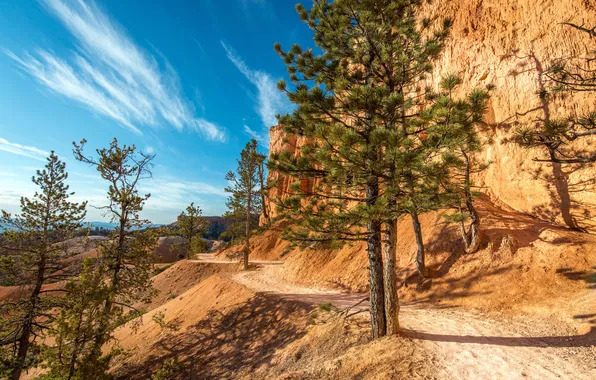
pixel 587 276
pixel 585 340
pixel 242 336
pixel 586 318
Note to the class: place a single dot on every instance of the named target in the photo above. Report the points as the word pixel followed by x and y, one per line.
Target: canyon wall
pixel 509 43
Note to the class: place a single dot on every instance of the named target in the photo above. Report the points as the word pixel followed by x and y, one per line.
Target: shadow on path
pixel 586 340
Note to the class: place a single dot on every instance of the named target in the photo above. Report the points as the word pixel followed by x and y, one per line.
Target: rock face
pixel 509 43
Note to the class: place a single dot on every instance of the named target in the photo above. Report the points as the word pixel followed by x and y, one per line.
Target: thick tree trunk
pixel 375 266
pixel 25 339
pixel 24 344
pixel 420 264
pixel 390 278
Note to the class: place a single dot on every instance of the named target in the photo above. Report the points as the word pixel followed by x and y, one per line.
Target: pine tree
pixel 367 86
pixel 32 246
pixel 192 225
pixel 236 215
pixel 125 259
pixel 245 192
pixel 461 117
pixel 75 327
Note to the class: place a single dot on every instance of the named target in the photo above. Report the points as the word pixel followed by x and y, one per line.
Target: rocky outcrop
pixel 509 43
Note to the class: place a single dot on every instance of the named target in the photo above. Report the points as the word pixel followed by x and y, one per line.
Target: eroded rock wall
pixel 509 43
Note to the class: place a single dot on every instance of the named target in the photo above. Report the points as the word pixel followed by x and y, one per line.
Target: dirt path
pixel 466 345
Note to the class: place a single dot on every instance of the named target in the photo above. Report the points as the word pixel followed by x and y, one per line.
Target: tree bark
pixel 420 264
pixel 390 278
pixel 262 191
pixel 472 240
pixel 375 265
pixel 247 250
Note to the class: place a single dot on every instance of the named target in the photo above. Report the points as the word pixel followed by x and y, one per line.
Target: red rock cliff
pixel 509 43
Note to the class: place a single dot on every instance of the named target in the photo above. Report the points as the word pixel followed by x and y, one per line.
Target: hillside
pixel 522 306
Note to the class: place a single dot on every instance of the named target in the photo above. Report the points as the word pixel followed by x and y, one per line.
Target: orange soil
pixel 179 278
pixel 221 327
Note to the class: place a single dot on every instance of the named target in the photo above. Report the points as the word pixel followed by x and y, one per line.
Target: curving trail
pixel 465 345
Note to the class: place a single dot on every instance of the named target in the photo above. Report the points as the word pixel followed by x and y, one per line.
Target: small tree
pixel 462 116
pixel 32 245
pixel 245 192
pixel 125 260
pixel 191 226
pixel 236 227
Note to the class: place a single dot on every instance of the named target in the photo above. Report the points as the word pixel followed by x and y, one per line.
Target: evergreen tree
pixel 245 198
pixel 32 245
pixel 462 116
pixel 192 225
pixel 237 217
pixel 124 265
pixel 357 119
pixel 75 327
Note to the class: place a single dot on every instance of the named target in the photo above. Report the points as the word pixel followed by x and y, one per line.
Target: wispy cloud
pixel 270 101
pixel 23 150
pixel 113 76
pixel 170 195
pixel 257 136
pixel 264 9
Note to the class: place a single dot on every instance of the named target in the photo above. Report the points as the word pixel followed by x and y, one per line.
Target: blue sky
pixel 190 81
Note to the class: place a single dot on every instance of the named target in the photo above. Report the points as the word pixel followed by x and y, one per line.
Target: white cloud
pixel 254 134
pixel 170 195
pixel 23 150
pixel 112 76
pixel 270 101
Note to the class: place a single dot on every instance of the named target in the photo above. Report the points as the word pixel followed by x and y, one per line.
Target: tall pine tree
pixel 356 102
pixel 33 242
pixel 245 198
pixel 125 260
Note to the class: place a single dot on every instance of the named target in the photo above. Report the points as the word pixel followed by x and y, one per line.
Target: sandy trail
pixel 465 345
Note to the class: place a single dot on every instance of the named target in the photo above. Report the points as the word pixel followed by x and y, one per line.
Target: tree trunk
pixel 25 339
pixel 102 331
pixel 390 278
pixel 247 250
pixel 472 238
pixel 420 265
pixel 262 191
pixel 375 266
pixel 75 351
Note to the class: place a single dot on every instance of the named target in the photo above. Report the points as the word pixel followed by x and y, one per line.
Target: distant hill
pixel 217 225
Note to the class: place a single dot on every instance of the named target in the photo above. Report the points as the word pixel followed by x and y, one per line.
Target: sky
pixel 190 81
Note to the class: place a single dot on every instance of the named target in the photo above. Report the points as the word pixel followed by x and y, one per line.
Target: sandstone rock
pixel 509 43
